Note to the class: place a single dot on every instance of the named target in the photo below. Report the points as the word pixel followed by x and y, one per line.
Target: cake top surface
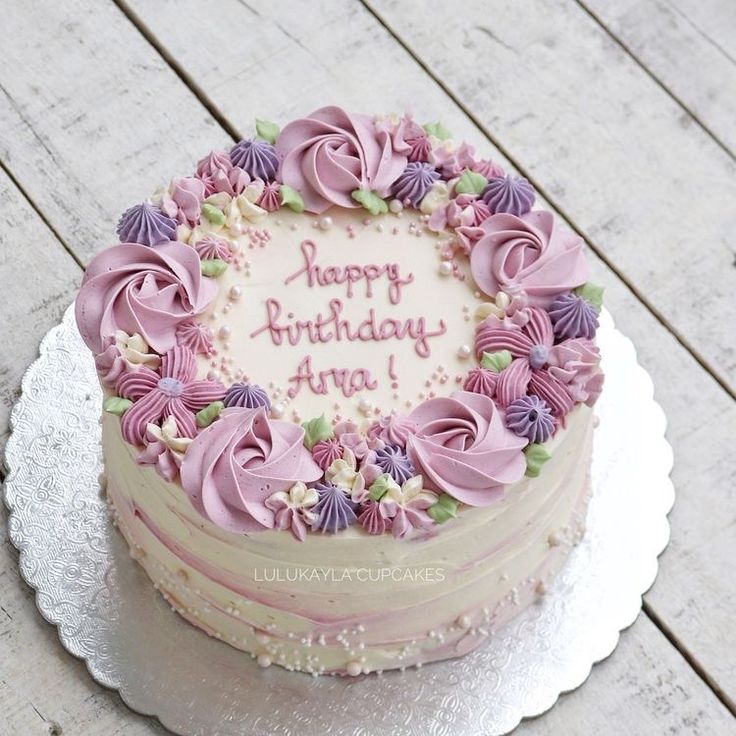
pixel 350 320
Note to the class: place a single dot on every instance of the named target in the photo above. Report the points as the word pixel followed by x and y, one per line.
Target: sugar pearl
pixel 364 406
pixel 445 268
pixel 264 660
pixel 277 410
pixel 463 352
pixel 235 293
pixel 395 205
pixel 325 223
pixel 234 246
pixel 354 669
pixel 224 332
pixel 464 621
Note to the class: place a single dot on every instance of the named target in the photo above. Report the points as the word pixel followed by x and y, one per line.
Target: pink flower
pixel 531 253
pixel 165 448
pixel 219 175
pixel 407 506
pixel 170 392
pixel 331 153
pixel 530 345
pixel 241 460
pixel 463 448
pixel 452 161
pixel 576 364
pixel 270 199
pixel 142 290
pixel 393 429
pixel 411 140
pixel 292 509
pixel 188 193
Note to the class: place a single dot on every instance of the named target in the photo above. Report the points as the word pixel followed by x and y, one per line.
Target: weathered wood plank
pixel 610 148
pixel 643 689
pixel 686 46
pixel 37 281
pixel 88 111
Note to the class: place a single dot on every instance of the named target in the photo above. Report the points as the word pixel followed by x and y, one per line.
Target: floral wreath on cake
pixel 536 358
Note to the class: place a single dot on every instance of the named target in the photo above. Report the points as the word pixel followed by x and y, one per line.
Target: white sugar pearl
pixel 354 669
pixel 395 206
pixel 464 621
pixel 445 268
pixel 213 376
pixel 277 410
pixel 235 293
pixel 364 406
pixel 234 245
pixel 224 332
pixel 325 223
pixel 463 352
pixel 264 660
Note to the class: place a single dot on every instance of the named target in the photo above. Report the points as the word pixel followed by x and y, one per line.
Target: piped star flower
pixel 292 509
pixel 165 448
pixel 407 506
pixel 172 391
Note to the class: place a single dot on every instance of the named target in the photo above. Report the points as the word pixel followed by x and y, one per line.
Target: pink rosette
pixel 135 288
pixel 462 447
pixel 233 466
pixel 531 253
pixel 188 193
pixel 331 153
pixel 576 364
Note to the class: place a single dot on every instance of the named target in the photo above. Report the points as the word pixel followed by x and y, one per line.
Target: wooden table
pixel 621 114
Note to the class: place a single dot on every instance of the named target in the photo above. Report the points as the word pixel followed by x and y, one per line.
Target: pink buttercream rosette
pixel 233 466
pixel 331 153
pixel 135 288
pixel 531 253
pixel 462 447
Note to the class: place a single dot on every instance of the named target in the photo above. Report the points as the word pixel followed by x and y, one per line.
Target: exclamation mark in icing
pixel 393 375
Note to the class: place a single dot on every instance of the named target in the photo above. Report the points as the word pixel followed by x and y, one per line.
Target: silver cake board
pixel 109 614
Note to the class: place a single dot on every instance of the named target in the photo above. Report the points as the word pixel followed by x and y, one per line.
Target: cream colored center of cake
pixel 350 316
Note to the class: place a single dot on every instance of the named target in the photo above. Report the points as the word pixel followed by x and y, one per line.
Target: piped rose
pixel 332 153
pixel 531 253
pixel 141 290
pixel 463 448
pixel 237 463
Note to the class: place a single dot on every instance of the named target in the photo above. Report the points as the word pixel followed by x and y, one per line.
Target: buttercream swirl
pixel 511 194
pixel 135 288
pixel 530 417
pixel 233 466
pixel 256 157
pixel 331 153
pixel 414 183
pixel 531 253
pixel 463 448
pixel 573 316
pixel 393 429
pixel 146 224
pixel 247 395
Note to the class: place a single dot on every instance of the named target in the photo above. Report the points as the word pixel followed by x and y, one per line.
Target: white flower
pixel 134 349
pixel 343 473
pixel 168 434
pixel 437 196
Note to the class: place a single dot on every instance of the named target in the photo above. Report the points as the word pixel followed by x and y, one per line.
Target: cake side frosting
pixel 331 605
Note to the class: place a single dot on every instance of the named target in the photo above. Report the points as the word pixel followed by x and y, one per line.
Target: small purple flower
pixel 530 417
pixel 248 395
pixel 335 510
pixel 146 224
pixel 256 157
pixel 394 461
pixel 511 194
pixel 572 316
pixel 414 183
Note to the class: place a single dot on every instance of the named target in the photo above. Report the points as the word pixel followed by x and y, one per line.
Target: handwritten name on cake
pixel 329 324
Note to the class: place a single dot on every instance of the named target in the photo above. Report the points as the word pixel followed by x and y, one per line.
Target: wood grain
pixel 607 145
pixel 87 112
pixel 690 47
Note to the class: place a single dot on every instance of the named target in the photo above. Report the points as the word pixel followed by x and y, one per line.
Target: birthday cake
pixel 348 371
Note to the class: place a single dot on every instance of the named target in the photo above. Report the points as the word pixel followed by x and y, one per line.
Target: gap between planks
pixel 660 83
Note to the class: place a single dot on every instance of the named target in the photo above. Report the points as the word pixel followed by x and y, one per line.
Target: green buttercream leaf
pixel 213 214
pixel 536 456
pixel 116 405
pixel 267 130
pixel 592 293
pixel 370 201
pixel 209 413
pixel 496 362
pixel 380 486
pixel 316 430
pixel 291 198
pixel 214 267
pixel 437 130
pixel 444 509
pixel 471 182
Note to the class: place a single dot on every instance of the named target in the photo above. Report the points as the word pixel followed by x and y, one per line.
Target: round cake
pixel 348 371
